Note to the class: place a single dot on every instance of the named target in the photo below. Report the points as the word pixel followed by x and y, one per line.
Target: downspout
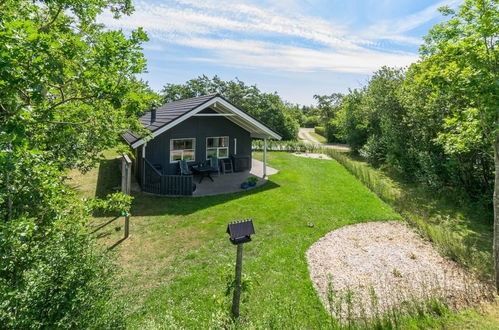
pixel 144 165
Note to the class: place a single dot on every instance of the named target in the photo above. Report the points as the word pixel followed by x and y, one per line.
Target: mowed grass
pixel 178 256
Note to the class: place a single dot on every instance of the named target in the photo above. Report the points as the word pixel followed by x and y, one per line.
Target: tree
pixel 327 108
pixel 67 91
pixel 461 56
pixel 353 120
pixel 266 107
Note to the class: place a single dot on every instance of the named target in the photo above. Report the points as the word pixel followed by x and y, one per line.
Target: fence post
pixel 126 182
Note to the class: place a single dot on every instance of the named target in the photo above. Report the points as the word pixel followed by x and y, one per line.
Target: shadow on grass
pixel 151 205
pixel 102 225
pixel 108 178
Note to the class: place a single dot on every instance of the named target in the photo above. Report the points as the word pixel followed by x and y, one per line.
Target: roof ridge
pixel 191 98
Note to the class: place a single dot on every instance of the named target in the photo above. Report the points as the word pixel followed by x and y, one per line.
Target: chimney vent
pixel 153 114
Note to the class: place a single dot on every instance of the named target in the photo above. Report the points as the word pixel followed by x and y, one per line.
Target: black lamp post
pixel 240 232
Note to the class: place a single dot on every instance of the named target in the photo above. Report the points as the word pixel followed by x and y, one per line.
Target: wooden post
pixel 126 183
pixel 237 288
pixel 264 157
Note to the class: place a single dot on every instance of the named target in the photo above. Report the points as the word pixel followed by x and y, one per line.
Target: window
pixel 182 149
pixel 217 147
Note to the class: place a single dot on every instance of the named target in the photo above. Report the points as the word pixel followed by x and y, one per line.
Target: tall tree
pixel 67 90
pixel 461 56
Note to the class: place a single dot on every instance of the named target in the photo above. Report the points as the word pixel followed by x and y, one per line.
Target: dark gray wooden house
pixel 193 130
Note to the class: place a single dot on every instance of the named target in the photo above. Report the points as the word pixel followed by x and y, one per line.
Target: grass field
pixel 178 262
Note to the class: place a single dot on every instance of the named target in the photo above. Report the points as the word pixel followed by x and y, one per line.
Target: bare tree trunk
pixel 496 210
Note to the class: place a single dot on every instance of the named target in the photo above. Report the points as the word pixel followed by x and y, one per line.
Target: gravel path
pixel 305 136
pixel 311 155
pixel 392 260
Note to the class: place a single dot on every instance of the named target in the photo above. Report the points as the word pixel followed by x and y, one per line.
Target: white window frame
pixel 218 148
pixel 182 150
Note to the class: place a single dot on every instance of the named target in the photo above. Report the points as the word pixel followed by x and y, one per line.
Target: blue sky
pixel 296 48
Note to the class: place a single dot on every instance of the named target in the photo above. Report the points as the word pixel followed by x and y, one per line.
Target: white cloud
pixel 395 29
pixel 244 35
pixel 251 54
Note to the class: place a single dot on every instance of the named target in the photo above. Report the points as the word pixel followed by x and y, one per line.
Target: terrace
pixel 157 183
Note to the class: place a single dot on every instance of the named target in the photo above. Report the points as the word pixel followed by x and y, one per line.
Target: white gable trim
pixel 203 106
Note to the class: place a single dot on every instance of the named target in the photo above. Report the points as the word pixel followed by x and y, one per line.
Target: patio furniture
pixel 204 171
pixel 214 163
pixel 227 166
pixel 241 163
pixel 184 168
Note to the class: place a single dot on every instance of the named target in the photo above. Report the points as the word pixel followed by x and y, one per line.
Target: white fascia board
pixel 249 119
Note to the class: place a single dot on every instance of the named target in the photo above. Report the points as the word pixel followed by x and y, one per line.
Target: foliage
pixel 67 90
pixel 434 123
pixel 311 121
pixel 327 109
pixel 320 130
pixel 352 119
pixel 268 108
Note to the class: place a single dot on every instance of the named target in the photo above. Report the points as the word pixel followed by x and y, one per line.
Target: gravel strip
pixel 312 155
pixel 391 260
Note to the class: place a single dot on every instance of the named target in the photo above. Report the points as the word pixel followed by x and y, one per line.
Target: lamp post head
pixel 240 231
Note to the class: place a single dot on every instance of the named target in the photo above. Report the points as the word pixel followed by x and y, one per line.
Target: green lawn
pixel 176 259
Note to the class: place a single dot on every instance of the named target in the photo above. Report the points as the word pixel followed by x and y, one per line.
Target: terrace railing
pixel 156 182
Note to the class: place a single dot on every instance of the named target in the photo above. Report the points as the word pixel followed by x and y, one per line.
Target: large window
pixel 182 149
pixel 217 147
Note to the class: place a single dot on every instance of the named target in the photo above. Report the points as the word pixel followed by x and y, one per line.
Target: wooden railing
pixel 157 183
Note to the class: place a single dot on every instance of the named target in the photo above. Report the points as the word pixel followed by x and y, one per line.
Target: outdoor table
pixel 204 171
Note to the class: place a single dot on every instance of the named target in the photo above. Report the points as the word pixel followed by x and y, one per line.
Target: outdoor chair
pixel 227 166
pixel 214 164
pixel 184 168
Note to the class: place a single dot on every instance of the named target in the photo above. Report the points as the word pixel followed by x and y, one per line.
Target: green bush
pixel 374 151
pixel 52 275
pixel 332 131
pixel 320 130
pixel 312 121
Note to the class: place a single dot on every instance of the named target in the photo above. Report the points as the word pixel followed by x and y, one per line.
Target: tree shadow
pixel 150 205
pixel 108 179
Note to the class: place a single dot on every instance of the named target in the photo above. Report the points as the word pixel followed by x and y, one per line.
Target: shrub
pixel 374 151
pixel 312 121
pixel 320 130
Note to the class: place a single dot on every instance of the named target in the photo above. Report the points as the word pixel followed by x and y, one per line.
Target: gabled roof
pixel 173 113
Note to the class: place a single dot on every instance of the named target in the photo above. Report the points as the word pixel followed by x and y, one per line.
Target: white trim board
pixel 246 123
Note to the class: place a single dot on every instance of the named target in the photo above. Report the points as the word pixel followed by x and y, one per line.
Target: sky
pixel 297 48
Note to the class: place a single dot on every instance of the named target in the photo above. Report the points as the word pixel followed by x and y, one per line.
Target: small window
pixel 182 149
pixel 217 147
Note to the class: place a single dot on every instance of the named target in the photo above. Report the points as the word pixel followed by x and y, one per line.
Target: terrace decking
pixel 156 183
pixel 229 183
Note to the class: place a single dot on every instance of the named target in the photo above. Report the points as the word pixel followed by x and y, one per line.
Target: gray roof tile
pixel 166 114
